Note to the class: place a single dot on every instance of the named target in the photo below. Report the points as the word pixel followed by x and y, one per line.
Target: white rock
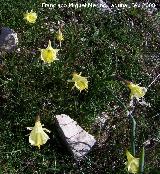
pixel 78 141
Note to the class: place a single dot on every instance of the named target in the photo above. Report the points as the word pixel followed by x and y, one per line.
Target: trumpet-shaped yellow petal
pixel 81 83
pixel 132 164
pixel 37 136
pixel 59 36
pixel 49 54
pixel 136 91
pixel 30 17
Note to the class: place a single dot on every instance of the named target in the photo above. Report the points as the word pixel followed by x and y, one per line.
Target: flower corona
pixel 37 136
pixel 136 91
pixel 30 16
pixel 49 54
pixel 132 163
pixel 81 83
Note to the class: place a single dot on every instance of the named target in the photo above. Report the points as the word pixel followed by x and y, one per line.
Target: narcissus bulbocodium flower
pixel 136 91
pixel 59 36
pixel 30 16
pixel 81 83
pixel 132 164
pixel 49 54
pixel 37 136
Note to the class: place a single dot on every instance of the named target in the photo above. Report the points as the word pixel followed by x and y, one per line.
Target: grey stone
pixel 78 141
pixel 8 39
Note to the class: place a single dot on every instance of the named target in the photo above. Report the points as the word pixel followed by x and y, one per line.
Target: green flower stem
pixel 141 163
pixel 133 134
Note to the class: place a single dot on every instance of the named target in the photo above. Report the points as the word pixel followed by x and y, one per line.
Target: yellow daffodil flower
pixel 59 36
pixel 132 164
pixel 30 16
pixel 49 54
pixel 37 136
pixel 136 91
pixel 81 83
